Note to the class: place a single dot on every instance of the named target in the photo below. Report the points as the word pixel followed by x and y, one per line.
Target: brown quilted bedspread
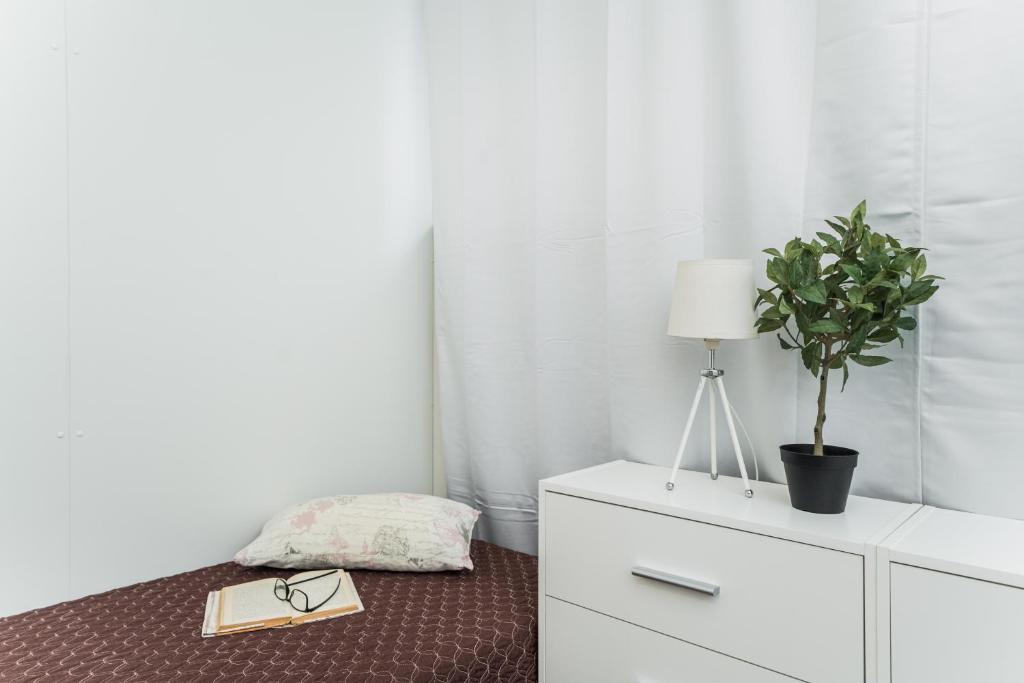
pixel 466 626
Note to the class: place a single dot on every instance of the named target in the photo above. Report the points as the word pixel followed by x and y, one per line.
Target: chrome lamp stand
pixel 712 378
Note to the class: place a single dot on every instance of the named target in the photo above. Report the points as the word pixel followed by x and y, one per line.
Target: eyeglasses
pixel 297 597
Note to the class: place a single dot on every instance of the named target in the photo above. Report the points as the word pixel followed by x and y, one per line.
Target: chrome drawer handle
pixel 676 580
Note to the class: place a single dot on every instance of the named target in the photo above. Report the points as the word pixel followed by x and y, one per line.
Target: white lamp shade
pixel 713 299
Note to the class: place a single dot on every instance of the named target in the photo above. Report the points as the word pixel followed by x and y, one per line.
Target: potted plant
pixel 837 299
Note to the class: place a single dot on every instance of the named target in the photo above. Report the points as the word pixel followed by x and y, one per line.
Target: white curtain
pixel 919 106
pixel 582 147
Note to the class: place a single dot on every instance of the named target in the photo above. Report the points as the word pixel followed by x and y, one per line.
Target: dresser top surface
pixel 990 548
pixel 866 520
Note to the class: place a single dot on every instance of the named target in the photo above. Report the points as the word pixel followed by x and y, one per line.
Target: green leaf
pixel 921 298
pixel 870 361
pixel 864 237
pixel 825 326
pixel 798 273
pixel 855 294
pixel 816 293
pixel 906 323
pixel 829 239
pixel 810 265
pixel 883 335
pixel 920 265
pixel 846 376
pixel 785 308
pixel 766 295
pixel 802 321
pixel 811 356
pixel 859 319
pixel 916 289
pixel 859 211
pixel 778 271
pixel 834 285
pixel 806 354
pixel 835 226
pixel 768 325
pixel 793 248
pixel 772 252
pixel 902 262
pixel 857 339
pixel 785 344
pixel 855 273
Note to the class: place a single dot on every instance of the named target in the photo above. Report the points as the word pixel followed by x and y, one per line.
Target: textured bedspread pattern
pixel 454 626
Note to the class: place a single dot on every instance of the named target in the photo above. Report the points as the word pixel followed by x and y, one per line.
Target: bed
pixel 452 626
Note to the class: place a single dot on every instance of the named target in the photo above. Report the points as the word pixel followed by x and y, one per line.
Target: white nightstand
pixel 952 600
pixel 641 584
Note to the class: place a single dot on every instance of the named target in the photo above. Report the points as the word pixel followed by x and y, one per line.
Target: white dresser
pixel 639 584
pixel 952 600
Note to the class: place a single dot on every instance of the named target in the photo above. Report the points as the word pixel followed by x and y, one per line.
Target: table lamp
pixel 713 300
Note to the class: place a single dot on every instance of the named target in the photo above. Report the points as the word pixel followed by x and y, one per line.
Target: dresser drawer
pixel 586 646
pixel 951 629
pixel 793 608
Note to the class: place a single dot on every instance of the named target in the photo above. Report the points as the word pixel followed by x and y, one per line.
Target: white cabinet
pixel 954 608
pixel 598 649
pixel 772 593
pixel 760 590
pixel 33 306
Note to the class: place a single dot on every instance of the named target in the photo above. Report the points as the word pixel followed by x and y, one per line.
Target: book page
pixel 345 601
pixel 252 603
pixel 211 614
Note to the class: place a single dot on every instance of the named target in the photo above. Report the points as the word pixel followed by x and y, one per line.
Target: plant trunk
pixel 819 423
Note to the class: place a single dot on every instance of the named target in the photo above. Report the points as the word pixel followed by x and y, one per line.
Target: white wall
pixel 33 306
pixel 250 271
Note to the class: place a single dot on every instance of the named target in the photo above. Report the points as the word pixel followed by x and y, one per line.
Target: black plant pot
pixel 818 483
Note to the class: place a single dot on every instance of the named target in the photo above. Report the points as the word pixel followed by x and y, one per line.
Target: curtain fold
pixel 581 148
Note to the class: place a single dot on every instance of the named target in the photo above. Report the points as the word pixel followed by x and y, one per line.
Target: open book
pixel 254 605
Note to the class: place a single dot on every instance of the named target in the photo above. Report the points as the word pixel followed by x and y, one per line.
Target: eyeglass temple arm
pixel 325 601
pixel 312 578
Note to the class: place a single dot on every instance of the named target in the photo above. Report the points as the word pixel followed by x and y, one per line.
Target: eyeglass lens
pixel 298 598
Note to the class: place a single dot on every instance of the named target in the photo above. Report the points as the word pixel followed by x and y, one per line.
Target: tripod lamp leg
pixel 671 483
pixel 749 492
pixel 712 430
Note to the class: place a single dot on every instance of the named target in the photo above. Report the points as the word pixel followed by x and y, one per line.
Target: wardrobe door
pixel 251 271
pixel 33 306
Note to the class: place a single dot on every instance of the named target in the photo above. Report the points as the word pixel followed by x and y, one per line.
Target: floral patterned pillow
pixel 389 531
